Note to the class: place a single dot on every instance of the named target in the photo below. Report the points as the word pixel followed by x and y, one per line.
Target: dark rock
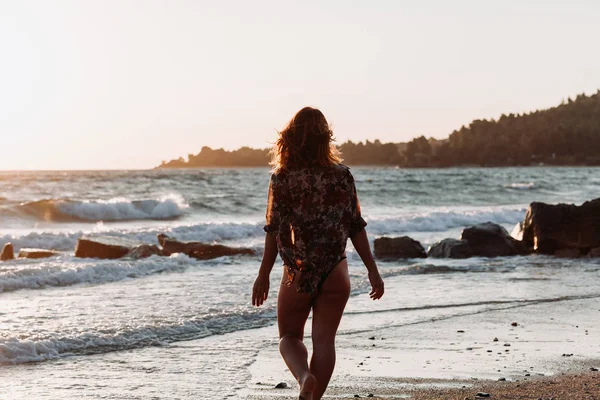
pixel 514 324
pixel 495 339
pixel 548 228
pixel 451 248
pixel 106 247
pixel 567 253
pixel 594 369
pixel 372 338
pixel 38 253
pixel 492 240
pixel 8 252
pixel 201 251
pixel 501 379
pixel 594 252
pixel 281 385
pixel 482 394
pixel 460 331
pixel 370 395
pixel 397 248
pixel 145 251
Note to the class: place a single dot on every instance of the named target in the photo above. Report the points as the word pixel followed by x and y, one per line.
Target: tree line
pixel 568 134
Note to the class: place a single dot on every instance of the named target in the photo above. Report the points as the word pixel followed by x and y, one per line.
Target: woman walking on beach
pixel 312 211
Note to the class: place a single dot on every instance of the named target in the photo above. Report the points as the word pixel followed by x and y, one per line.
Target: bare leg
pixel 292 312
pixel 327 314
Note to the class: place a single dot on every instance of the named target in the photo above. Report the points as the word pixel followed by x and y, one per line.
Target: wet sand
pixel 511 351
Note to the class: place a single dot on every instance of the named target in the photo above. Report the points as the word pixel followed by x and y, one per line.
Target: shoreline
pixel 454 356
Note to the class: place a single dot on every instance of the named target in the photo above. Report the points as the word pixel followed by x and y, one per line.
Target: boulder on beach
pixel 397 248
pixel 548 228
pixel 38 253
pixel 492 240
pixel 450 248
pixel 8 252
pixel 201 251
pixel 106 247
pixel 145 251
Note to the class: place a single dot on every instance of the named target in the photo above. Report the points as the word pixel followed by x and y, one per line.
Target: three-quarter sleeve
pixel 357 223
pixel 273 216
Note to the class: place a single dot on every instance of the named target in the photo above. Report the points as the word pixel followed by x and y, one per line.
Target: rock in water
pixel 37 253
pixel 451 248
pixel 145 251
pixel 201 251
pixel 106 247
pixel 492 240
pixel 594 252
pixel 8 252
pixel 567 253
pixel 548 228
pixel 396 248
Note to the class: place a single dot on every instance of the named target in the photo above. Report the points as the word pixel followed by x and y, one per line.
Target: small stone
pixel 356 395
pixel 489 351
pixel 527 374
pixel 372 338
pixel 506 344
pixel 514 324
pixel 495 339
pixel 594 369
pixel 360 363
pixel 370 395
pixel 281 385
pixel 469 348
pixel 482 394
pixel 501 379
pixel 460 331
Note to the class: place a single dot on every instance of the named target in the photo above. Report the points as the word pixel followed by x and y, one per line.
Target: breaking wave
pixel 118 209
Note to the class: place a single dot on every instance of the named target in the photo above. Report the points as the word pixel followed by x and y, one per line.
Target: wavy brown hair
pixel 306 141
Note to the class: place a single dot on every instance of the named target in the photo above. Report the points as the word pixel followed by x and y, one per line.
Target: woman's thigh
pixel 329 304
pixel 293 309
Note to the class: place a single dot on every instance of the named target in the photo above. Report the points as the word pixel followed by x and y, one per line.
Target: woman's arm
pixel 361 244
pixel 260 290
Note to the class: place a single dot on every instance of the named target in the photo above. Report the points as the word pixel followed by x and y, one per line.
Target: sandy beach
pixel 520 351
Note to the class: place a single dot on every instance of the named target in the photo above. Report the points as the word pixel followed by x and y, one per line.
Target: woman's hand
pixel 376 285
pixel 260 290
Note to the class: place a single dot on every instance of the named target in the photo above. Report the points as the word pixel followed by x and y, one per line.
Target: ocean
pixel 179 328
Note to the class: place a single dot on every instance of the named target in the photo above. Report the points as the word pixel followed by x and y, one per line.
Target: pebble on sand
pixel 281 385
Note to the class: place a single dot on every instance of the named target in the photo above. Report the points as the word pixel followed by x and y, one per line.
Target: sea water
pixel 179 328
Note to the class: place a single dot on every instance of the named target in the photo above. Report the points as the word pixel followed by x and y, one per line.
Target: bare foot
pixel 307 386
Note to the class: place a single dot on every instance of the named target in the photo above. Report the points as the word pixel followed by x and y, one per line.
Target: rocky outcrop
pixel 483 240
pixel 398 248
pixel 492 240
pixel 8 252
pixel 201 251
pixel 106 247
pixel 451 248
pixel 550 228
pixel 145 251
pixel 38 253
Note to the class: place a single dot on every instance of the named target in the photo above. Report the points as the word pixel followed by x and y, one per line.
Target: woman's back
pixel 312 212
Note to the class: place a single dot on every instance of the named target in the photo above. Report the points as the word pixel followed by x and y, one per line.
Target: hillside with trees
pixel 568 134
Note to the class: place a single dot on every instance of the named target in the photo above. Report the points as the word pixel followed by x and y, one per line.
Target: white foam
pixel 17 351
pixel 203 232
pixel 441 221
pixel 120 209
pixel 27 274
pixel 521 186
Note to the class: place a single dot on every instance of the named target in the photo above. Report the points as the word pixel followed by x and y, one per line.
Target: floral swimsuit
pixel 312 212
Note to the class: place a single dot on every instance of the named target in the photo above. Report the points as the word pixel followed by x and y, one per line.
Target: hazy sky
pixel 125 84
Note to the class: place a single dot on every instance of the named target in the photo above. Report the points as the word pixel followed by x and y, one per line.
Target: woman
pixel 312 211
